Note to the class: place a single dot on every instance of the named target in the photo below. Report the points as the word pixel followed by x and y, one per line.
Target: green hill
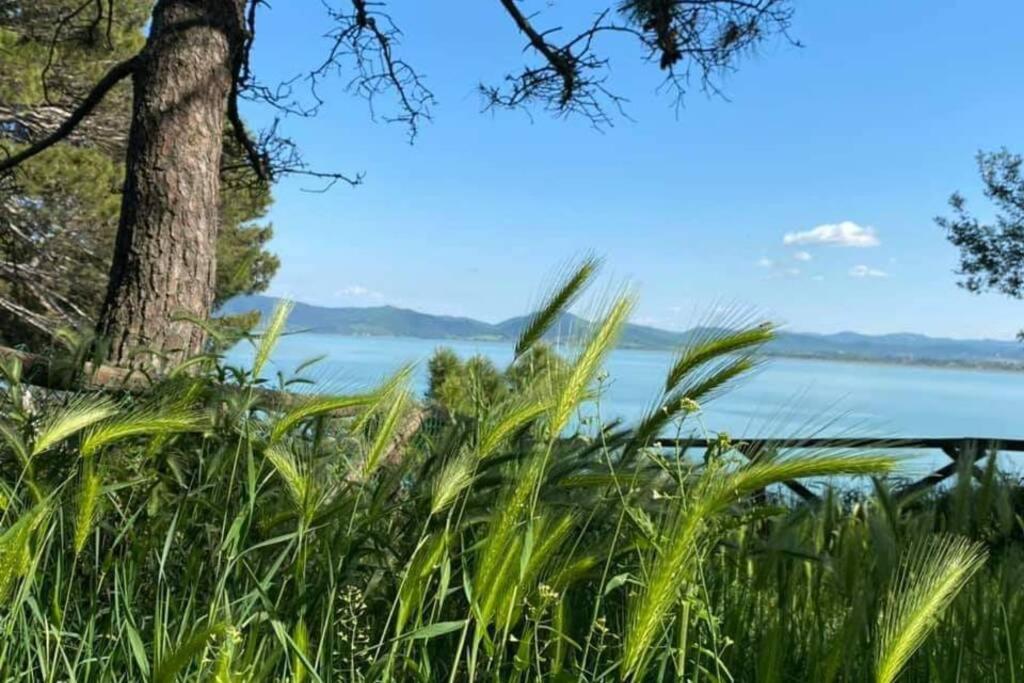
pixel 389 321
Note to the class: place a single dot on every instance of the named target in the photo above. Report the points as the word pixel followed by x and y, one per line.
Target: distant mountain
pixel 389 321
pixel 376 321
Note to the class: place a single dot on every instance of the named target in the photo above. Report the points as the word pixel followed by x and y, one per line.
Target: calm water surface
pixel 787 397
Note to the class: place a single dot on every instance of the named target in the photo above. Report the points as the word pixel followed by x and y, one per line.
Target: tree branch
pixel 118 73
pixel 241 75
pixel 705 37
pixel 257 160
pixel 558 61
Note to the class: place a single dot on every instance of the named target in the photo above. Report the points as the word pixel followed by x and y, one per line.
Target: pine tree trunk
pixel 164 257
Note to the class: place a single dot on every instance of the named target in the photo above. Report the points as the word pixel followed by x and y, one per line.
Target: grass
pixel 207 530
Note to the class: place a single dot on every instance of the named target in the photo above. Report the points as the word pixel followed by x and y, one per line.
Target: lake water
pixel 785 398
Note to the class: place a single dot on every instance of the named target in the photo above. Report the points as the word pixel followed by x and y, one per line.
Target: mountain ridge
pixel 393 321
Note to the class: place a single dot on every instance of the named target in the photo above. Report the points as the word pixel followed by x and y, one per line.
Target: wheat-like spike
pixel 766 471
pixel 932 573
pixel 457 474
pixel 270 335
pixel 714 345
pixel 386 431
pixel 519 571
pixel 685 536
pixel 142 422
pixel 10 434
pixel 502 532
pixel 703 368
pixel 510 418
pixel 71 419
pixel 88 504
pixel 417 573
pixel 381 399
pixel 560 299
pixel 691 390
pixel 454 477
pixel 551 531
pixel 588 362
pixel 289 469
pixel 313 406
pixel 672 566
pixel 713 379
pixel 15 546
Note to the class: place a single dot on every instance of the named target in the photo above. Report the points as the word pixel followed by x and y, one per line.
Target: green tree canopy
pixel 992 252
pixel 463 387
pixel 59 216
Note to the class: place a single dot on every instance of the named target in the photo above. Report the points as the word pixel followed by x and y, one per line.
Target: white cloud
pixel 845 234
pixel 802 256
pixel 765 263
pixel 792 272
pixel 866 271
pixel 357 292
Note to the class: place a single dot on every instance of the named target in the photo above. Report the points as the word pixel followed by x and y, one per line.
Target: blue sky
pixel 866 130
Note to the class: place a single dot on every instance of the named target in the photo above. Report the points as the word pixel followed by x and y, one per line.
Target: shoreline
pixel 980 366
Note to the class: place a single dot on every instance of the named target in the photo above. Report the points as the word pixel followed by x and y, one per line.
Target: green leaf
pixel 616 581
pixel 434 630
pixel 138 649
pixel 177 660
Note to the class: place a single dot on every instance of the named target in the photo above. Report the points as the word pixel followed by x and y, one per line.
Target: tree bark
pixel 164 257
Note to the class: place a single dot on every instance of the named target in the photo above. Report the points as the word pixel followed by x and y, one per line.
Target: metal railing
pixel 957 449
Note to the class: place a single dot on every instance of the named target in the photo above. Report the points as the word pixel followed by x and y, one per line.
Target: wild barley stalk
pixel 88 504
pixel 556 303
pixel 508 542
pixel 270 336
pixel 932 573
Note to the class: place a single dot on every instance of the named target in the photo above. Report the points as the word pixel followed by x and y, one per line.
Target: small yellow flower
pixel 547 592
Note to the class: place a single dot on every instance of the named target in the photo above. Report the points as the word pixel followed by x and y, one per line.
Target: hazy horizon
pixel 698 320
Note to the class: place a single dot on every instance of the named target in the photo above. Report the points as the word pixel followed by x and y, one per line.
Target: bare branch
pixel 681 36
pixel 367 37
pixel 270 155
pixel 257 159
pixel 282 158
pixel 241 74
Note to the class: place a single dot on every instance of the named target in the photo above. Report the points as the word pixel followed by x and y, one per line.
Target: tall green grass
pixel 210 529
